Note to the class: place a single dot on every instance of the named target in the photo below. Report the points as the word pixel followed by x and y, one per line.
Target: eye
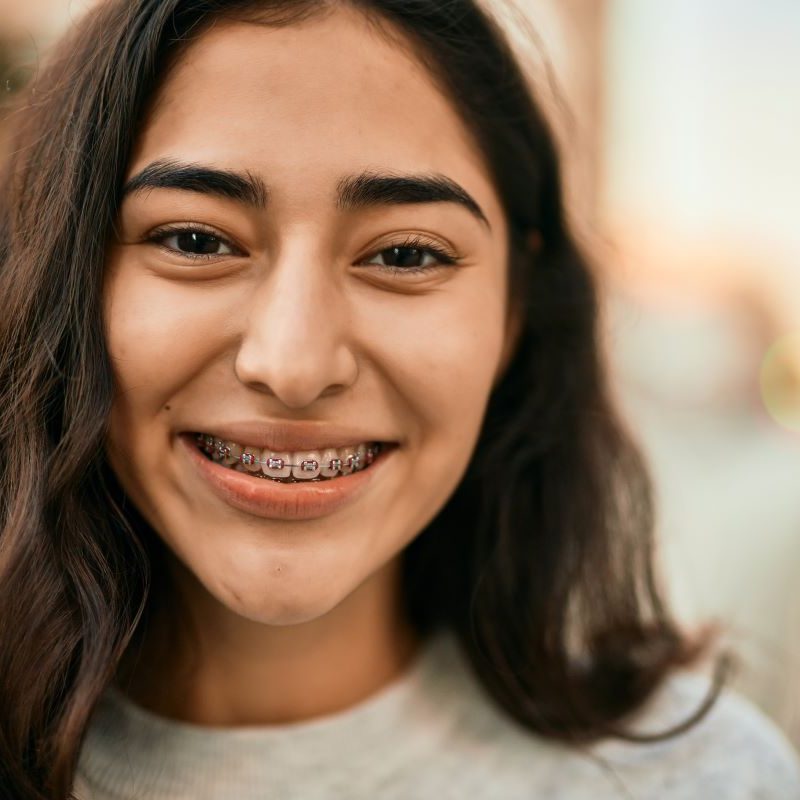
pixel 412 256
pixel 193 242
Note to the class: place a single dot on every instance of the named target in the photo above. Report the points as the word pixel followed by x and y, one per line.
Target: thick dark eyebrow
pixel 353 192
pixel 370 189
pixel 168 174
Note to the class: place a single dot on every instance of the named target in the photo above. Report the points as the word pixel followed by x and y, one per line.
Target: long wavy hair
pixel 540 562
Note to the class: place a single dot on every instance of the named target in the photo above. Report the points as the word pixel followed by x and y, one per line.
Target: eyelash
pixel 445 258
pixel 160 235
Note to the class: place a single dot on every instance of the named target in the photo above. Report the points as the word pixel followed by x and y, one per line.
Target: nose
pixel 296 343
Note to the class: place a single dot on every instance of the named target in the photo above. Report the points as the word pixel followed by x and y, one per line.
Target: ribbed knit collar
pixel 130 752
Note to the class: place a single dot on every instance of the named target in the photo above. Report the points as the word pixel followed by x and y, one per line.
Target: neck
pixel 233 671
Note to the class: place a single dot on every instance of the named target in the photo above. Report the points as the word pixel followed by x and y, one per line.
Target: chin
pixel 275 596
pixel 277 609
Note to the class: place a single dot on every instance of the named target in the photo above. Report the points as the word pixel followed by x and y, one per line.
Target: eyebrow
pixel 353 192
pixel 371 189
pixel 243 187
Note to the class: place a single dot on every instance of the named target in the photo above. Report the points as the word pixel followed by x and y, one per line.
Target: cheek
pixel 157 336
pixel 441 352
pixel 156 346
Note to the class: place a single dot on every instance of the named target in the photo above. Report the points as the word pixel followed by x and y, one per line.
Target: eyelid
pixel 447 256
pixel 159 234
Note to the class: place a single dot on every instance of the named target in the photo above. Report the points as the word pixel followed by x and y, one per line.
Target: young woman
pixel 311 487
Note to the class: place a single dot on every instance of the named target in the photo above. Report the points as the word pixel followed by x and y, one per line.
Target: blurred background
pixel 680 125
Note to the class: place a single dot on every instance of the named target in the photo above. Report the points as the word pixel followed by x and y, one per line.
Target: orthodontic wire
pixel 352 462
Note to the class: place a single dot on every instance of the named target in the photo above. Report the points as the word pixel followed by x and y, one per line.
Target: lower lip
pixel 288 501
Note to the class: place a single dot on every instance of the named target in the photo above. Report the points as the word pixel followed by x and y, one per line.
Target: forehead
pixel 307 103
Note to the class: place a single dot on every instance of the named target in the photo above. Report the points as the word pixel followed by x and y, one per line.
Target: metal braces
pixel 353 462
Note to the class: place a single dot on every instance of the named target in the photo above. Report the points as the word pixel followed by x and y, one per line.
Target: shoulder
pixel 733 753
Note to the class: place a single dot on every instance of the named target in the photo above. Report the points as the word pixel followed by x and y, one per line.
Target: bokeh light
pixel 780 381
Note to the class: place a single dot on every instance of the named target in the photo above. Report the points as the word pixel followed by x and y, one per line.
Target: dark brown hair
pixel 540 562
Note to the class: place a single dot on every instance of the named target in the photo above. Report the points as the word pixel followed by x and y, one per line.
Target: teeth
pixel 326 470
pixel 234 453
pixel 349 455
pixel 251 458
pixel 270 461
pixel 306 465
pixel 218 452
pixel 299 466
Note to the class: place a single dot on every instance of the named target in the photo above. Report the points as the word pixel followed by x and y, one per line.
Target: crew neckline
pixel 131 749
pixel 385 695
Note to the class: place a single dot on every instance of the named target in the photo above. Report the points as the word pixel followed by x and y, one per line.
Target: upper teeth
pixel 300 465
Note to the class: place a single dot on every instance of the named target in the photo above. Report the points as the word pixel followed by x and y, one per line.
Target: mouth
pixel 288 485
pixel 303 466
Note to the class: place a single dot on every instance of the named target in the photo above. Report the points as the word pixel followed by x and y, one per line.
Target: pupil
pixel 199 243
pixel 406 256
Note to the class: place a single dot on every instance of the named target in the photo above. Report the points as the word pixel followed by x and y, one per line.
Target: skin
pixel 293 619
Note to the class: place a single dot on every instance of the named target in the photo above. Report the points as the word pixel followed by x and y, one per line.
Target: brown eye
pixel 405 257
pixel 411 256
pixel 196 243
pixel 192 242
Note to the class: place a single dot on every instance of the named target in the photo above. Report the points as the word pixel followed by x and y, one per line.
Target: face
pixel 274 285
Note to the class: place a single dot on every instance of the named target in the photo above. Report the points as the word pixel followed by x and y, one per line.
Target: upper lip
pixel 289 436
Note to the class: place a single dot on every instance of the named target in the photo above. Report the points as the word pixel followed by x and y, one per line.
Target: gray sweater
pixel 434 734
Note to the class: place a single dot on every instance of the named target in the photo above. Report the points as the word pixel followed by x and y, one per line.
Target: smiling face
pixel 256 281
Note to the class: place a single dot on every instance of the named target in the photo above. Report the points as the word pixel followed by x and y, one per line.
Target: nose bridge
pixel 294 337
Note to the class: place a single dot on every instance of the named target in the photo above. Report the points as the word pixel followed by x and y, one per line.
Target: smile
pixel 289 467
pixel 308 497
